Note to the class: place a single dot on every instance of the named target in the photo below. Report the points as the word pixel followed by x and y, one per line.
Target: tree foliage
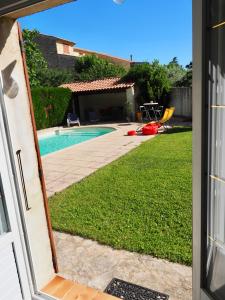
pixel 39 73
pixel 152 80
pixel 54 77
pixel 175 72
pixel 50 106
pixel 34 57
pixel 186 80
pixel 91 67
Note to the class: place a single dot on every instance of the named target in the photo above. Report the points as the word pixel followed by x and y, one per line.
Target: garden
pixel 142 202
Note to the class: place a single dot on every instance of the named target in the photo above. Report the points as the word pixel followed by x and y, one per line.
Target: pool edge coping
pixel 75 145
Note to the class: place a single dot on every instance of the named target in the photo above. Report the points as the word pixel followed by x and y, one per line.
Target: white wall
pixel 22 138
pixel 181 98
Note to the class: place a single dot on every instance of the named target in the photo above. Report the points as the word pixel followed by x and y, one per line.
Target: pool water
pixel 63 139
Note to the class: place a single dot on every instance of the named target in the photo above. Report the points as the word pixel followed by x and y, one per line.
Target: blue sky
pixel 147 29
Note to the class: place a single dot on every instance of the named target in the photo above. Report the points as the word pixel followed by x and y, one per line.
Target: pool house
pixel 105 100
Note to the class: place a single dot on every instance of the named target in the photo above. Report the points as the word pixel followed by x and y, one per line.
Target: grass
pixel 141 202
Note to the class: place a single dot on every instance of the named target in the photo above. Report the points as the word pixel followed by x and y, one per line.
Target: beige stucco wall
pixel 60 49
pixel 77 54
pixel 102 101
pixel 22 138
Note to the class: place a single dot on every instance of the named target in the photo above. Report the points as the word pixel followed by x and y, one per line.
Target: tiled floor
pixel 65 167
pixel 63 289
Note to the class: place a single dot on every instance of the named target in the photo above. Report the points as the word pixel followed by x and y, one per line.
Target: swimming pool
pixel 66 138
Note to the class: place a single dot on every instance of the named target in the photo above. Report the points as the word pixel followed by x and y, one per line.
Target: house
pixel 58 52
pixel 61 54
pixel 27 255
pixel 103 100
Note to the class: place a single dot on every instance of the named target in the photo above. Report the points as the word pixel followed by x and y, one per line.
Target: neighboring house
pixel 103 100
pixel 57 52
pixel 27 255
pixel 61 54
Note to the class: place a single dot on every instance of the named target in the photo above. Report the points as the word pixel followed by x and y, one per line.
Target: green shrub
pixel 50 106
pixel 91 67
pixel 152 80
pixel 54 77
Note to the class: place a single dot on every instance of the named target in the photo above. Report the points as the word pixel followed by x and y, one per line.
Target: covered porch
pixel 105 100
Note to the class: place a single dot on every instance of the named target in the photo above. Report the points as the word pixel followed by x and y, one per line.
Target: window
pixel 66 49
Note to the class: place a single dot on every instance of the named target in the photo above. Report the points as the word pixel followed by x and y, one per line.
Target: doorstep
pixel 64 289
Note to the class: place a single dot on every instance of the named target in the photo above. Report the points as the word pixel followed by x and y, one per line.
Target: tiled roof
pixel 97 85
pixel 58 39
pixel 103 55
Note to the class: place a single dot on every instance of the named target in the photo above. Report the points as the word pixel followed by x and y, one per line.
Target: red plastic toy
pixel 132 132
pixel 150 129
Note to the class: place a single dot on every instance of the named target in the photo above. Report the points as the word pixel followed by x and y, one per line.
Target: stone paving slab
pixel 94 265
pixel 71 165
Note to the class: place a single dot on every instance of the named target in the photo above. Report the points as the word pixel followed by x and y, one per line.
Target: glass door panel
pixel 217 146
pixel 215 264
pixel 217 66
pixel 216 11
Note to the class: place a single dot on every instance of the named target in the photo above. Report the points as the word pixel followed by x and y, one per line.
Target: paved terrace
pixel 95 265
pixel 71 165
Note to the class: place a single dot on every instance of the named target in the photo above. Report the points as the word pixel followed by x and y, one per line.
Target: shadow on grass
pixel 178 129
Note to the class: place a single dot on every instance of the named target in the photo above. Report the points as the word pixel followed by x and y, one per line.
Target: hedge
pixel 50 106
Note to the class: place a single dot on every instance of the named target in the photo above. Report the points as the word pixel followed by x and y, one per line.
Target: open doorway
pixel 118 194
pixel 106 178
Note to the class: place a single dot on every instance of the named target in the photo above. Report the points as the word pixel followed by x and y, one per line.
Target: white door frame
pixel 24 251
pixel 14 236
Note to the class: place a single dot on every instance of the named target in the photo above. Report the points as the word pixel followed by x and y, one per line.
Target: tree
pixel 152 80
pixel 91 67
pixel 186 80
pixel 34 57
pixel 175 71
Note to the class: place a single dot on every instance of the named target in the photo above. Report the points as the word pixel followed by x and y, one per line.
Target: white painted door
pixel 14 284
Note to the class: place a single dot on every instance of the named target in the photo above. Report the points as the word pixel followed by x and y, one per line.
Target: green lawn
pixel 142 202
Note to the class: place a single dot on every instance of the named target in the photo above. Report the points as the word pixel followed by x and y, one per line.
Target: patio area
pixel 94 265
pixel 71 165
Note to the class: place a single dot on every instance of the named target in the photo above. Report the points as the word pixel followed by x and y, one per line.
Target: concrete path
pixel 94 265
pixel 65 167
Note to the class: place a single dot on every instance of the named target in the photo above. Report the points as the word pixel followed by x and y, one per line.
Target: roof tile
pixel 97 85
